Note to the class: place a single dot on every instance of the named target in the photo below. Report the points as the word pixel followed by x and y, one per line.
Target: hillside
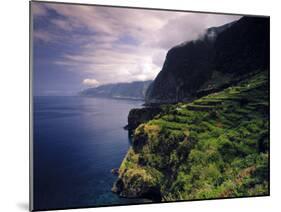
pixel 216 146
pixel 133 90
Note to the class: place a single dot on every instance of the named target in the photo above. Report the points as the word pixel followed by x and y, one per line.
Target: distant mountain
pixel 133 90
pixel 223 54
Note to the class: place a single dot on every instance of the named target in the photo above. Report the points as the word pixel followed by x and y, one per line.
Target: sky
pixel 80 46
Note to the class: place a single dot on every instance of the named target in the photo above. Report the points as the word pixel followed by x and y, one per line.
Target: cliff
pixel 223 53
pixel 133 90
pixel 141 115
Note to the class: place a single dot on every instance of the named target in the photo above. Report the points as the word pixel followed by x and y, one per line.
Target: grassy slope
pixel 216 146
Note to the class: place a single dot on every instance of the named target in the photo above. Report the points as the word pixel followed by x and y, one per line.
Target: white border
pixel 15 105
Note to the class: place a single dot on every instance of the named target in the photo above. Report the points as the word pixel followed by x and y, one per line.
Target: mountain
pixel 133 90
pixel 222 54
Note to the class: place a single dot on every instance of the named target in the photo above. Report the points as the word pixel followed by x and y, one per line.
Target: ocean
pixel 77 141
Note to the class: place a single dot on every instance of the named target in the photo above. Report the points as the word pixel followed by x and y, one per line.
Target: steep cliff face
pixel 189 63
pixel 141 115
pixel 243 47
pixel 224 53
pixel 133 90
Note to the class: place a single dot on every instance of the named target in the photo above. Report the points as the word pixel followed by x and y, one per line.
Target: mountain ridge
pixel 132 90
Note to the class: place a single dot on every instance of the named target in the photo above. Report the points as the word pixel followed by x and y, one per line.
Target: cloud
pixel 119 44
pixel 91 82
pixel 62 24
pixel 121 63
pixel 44 36
pixel 38 10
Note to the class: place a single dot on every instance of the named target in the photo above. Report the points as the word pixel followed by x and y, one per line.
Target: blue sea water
pixel 77 141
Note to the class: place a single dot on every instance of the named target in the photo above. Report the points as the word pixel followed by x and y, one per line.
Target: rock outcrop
pixel 141 115
pixel 137 182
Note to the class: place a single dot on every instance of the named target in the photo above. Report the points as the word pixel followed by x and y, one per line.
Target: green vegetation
pixel 216 146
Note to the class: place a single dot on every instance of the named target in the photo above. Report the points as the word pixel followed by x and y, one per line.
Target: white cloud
pixel 121 44
pixel 91 82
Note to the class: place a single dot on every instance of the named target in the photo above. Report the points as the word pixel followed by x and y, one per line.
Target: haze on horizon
pixel 78 46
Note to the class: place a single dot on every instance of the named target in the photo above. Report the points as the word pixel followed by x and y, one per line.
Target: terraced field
pixel 215 146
